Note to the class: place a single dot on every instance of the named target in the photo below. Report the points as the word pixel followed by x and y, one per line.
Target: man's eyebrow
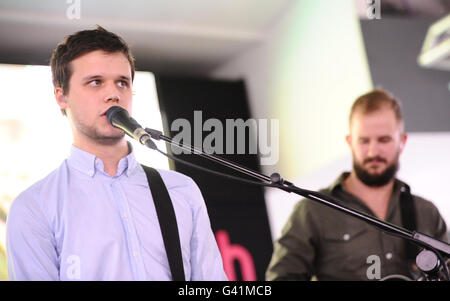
pixel 89 77
pixel 125 77
pixel 385 136
pixel 95 76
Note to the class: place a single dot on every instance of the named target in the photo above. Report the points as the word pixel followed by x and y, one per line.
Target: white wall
pixel 306 73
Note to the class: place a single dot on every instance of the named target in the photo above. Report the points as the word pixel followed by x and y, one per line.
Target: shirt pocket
pixel 343 248
pixel 343 235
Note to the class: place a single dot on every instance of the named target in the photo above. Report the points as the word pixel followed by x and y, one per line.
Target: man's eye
pixel 363 141
pixel 95 82
pixel 385 139
pixel 123 84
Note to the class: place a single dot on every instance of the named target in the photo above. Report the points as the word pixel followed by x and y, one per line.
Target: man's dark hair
pixel 82 42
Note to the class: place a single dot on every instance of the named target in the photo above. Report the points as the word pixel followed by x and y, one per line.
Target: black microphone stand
pixel 430 260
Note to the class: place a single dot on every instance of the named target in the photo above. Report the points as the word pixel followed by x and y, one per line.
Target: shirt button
pixel 125 216
pixel 389 255
pixel 346 236
pixel 91 173
pixel 134 254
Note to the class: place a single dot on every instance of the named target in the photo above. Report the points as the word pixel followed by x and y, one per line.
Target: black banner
pixel 237 211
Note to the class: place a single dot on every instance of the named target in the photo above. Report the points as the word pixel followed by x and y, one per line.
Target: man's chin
pixel 376 178
pixel 374 173
pixel 110 139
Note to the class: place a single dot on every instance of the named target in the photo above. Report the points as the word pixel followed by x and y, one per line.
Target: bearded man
pixel 322 243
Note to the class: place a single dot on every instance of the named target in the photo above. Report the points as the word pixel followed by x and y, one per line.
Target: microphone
pixel 119 118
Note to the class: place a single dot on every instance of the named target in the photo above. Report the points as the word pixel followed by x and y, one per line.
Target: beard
pixel 376 180
pixel 96 134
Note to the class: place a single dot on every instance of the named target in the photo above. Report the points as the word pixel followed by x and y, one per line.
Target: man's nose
pixel 113 98
pixel 111 93
pixel 373 149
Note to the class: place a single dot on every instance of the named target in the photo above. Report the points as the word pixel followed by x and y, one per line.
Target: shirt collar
pixel 339 184
pixel 89 164
pixel 399 186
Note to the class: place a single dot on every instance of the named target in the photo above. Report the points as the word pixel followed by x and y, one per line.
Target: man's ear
pixel 403 139
pixel 348 138
pixel 60 98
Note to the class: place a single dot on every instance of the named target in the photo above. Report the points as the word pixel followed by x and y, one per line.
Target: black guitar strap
pixel 408 212
pixel 167 222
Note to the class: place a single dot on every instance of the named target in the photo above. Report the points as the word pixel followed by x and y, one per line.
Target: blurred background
pixel 300 63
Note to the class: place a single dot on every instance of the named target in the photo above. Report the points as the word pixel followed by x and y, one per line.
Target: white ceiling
pixel 169 36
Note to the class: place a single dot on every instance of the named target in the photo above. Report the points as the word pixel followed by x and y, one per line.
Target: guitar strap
pixel 408 213
pixel 167 222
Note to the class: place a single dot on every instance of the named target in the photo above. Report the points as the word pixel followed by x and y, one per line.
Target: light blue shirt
pixel 79 223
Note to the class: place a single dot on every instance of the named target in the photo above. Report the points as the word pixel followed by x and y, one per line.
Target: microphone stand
pixel 429 261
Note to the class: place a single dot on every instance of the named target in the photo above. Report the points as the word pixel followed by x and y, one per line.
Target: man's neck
pixel 110 154
pixel 376 198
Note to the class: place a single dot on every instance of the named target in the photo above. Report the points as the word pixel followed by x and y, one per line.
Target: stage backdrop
pixel 237 211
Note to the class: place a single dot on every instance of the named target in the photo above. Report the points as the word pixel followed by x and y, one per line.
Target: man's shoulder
pixel 424 205
pixel 177 182
pixel 174 179
pixel 427 209
pixel 51 181
pixel 182 188
pixel 33 193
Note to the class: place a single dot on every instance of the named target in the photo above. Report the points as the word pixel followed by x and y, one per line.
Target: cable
pixel 216 172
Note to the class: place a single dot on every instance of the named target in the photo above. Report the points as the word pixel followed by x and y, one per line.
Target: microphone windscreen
pixel 113 111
